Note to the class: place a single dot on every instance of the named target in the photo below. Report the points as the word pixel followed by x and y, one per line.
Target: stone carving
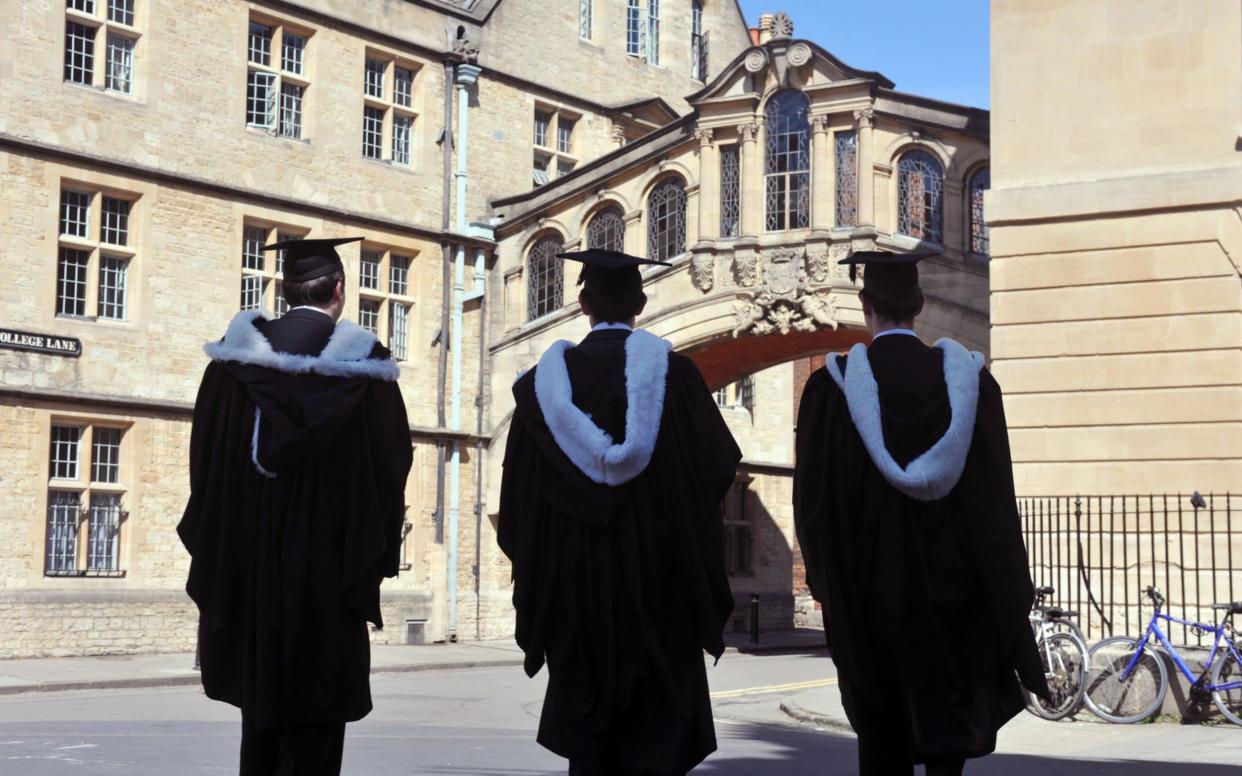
pixel 783 273
pixel 748 131
pixel 756 60
pixel 865 117
pixel 818 310
pixel 465 46
pixel 745 268
pixel 704 136
pixel 766 314
pixel 799 54
pixel 818 267
pixel 835 254
pixel 782 26
pixel 820 122
pixel 703 271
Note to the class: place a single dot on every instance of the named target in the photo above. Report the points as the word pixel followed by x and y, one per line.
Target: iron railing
pixel 1100 552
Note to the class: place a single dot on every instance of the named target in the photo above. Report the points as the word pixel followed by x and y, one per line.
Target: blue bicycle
pixel 1127 680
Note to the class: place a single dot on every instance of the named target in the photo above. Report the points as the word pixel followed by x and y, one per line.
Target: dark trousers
pixel 313 750
pixel 884 747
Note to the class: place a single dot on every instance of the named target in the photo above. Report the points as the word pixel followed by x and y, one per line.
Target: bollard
pixel 754 618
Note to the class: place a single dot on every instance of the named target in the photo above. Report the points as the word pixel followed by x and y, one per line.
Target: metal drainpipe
pixel 446 257
pixel 480 275
pixel 466 75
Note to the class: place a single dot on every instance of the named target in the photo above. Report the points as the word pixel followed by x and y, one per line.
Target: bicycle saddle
pixel 1054 613
pixel 1233 608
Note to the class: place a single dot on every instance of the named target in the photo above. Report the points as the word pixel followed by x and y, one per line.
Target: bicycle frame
pixel 1153 629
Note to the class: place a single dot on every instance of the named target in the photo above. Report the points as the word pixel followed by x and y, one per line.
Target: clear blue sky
pixel 935 49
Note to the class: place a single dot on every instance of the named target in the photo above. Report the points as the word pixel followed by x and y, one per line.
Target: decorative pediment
pixel 788 62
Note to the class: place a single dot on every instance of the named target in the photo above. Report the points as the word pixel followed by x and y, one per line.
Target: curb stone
pixel 801 714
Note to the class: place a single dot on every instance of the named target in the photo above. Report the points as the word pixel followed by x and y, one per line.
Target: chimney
pixel 754 36
pixel 765 27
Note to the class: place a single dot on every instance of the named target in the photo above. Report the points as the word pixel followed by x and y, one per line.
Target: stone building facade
pixel 148 148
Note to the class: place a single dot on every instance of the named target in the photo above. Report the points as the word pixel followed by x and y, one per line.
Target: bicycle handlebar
pixel 1153 593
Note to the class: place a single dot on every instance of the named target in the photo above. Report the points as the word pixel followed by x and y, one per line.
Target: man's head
pixel 890 295
pixel 314 274
pixel 612 286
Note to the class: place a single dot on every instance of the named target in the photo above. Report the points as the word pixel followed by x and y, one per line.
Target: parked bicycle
pixel 1127 680
pixel 1063 651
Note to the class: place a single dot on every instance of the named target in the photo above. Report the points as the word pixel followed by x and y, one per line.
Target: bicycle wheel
pixel 1065 668
pixel 1117 698
pixel 1227 671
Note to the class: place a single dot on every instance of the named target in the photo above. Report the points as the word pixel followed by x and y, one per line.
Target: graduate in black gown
pixel 904 507
pixel 298 460
pixel 616 464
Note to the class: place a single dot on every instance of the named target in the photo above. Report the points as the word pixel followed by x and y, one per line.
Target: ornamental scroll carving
pixel 703 271
pixel 745 268
pixel 783 302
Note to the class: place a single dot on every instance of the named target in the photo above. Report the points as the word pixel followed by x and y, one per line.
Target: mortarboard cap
pixel 896 272
pixel 611 273
pixel 309 259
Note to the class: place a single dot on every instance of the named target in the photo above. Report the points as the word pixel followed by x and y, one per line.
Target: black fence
pixel 1100 552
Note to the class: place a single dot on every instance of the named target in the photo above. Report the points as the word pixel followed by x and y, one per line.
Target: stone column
pixel 709 186
pixel 823 176
pixel 751 194
pixel 865 119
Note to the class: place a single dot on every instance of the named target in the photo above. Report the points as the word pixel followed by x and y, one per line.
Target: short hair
pixel 894 306
pixel 317 292
pixel 613 309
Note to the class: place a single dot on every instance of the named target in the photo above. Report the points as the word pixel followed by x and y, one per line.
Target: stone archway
pixel 725 360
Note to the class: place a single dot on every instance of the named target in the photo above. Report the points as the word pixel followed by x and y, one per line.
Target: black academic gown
pixel 286 566
pixel 621 589
pixel 925 602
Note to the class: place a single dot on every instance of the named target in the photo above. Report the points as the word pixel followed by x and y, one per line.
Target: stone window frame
pixel 268 276
pixel 89 505
pixel 545 284
pixel 586 19
pixel 737 395
pixel 730 190
pixel 739 528
pixel 549 161
pixel 105 34
pixel 383 299
pixel 927 225
pixel 396 105
pixel 699 43
pixel 845 166
pixel 787 170
pixel 95 259
pixel 642 28
pixel 285 114
pixel 598 232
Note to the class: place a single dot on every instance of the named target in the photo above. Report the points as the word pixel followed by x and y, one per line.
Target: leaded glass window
pixel 119 76
pixel 372 132
pixel 920 199
pixel 63 511
pixel 545 285
pixel 121 12
pixel 292 52
pixel 368 315
pixel 666 220
pixel 847 178
pixel 260 49
pixel 71 281
pixel 113 277
pixel 633 29
pixel 104 530
pixel 698 42
pixel 106 455
pixel 374 84
pixel 980 182
pixel 368 269
pixel 79 53
pixel 399 275
pixel 290 111
pixel 398 330
pixel 586 14
pixel 114 227
pixel 64 456
pixel 607 230
pixel 75 213
pixel 730 192
pixel 253 238
pixel 788 172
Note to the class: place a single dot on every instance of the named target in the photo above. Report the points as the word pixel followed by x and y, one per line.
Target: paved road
pixel 482 723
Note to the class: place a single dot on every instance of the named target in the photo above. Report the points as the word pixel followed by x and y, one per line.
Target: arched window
pixel 545 283
pixel 666 220
pixel 920 200
pixel 788 172
pixel 607 230
pixel 980 182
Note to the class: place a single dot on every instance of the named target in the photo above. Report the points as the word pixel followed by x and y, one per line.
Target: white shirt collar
pixel 886 332
pixel 609 326
pixel 307 307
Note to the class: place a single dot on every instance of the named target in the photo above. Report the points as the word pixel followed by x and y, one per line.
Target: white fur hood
pixel 935 473
pixel 589 447
pixel 347 353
